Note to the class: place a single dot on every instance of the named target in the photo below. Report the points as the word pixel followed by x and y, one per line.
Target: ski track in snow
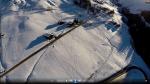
pixel 28 78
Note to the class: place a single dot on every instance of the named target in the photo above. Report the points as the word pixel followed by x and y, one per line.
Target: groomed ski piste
pixel 91 52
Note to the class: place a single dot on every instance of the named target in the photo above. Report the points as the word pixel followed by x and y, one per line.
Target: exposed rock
pixel 83 3
pixel 146 15
pixel 139 33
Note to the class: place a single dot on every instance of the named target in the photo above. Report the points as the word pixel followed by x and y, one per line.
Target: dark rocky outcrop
pixel 83 3
pixel 138 30
pixel 146 15
pixel 140 33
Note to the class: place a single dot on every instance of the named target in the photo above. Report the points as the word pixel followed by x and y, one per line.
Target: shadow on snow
pixel 37 41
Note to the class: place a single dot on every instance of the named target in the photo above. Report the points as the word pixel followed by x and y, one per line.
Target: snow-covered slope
pixel 136 6
pixel 96 49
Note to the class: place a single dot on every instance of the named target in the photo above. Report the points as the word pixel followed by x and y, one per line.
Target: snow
pixel 90 49
pixel 136 6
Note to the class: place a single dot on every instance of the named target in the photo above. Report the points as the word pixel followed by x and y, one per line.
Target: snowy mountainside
pixel 96 48
pixel 136 6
